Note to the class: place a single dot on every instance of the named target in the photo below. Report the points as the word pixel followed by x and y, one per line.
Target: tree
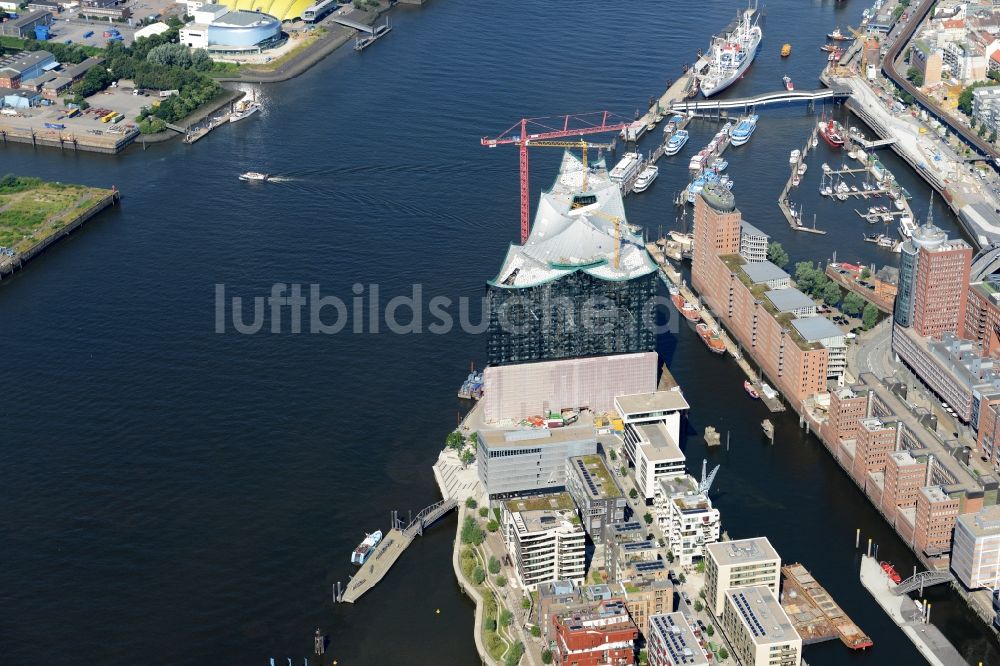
pixel 710 630
pixel 471 503
pixel 478 575
pixel 624 470
pixel 536 631
pixel 501 581
pixel 472 533
pixel 546 656
pixel 170 55
pixel 865 273
pixel 723 654
pixel 914 75
pixel 494 565
pixel 492 526
pixel 648 518
pixel 506 617
pixel 526 603
pixel 467 457
pixel 776 254
pixel 670 557
pixel 483 512
pixel 681 578
pixel 852 304
pixel 633 493
pixel 832 293
pixel 698 606
pixel 612 455
pixel 454 439
pixel 490 624
pixel 805 275
pixel 869 317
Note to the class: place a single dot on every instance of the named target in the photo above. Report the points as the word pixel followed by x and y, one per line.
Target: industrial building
pixel 544 539
pixel 526 460
pixel 742 563
pixel 24 25
pixel 758 629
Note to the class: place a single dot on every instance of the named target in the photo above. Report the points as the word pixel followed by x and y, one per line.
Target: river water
pixel 175 495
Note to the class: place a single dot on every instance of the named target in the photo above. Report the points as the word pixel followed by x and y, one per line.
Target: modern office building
pixel 975 550
pixel 687 518
pixel 604 635
pixel 544 539
pixel 671 641
pixel 758 629
pixel 935 520
pixel 742 563
pixel 525 460
pixel 598 498
pixel 753 243
pixel 982 315
pixel 876 439
pixel 734 290
pixel 651 429
pixel 933 282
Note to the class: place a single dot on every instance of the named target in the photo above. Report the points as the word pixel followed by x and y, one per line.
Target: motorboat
pixel 254 176
pixel 646 178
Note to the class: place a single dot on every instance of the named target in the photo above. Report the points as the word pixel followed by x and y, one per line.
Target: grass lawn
pixel 31 210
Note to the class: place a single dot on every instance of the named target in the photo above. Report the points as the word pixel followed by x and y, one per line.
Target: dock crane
pixel 532 130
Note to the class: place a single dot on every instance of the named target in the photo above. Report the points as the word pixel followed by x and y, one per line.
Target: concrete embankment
pixel 471 591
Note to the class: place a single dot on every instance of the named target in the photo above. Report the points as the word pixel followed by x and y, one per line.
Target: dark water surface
pixel 171 495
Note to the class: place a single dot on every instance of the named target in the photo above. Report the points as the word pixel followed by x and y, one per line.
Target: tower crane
pixel 532 130
pixel 581 144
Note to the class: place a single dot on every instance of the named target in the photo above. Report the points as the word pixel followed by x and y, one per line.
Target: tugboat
pixel 254 176
pixel 751 391
pixel 366 547
pixel 837 35
pixel 789 86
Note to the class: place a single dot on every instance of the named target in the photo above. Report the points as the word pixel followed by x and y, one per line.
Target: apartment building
pixel 741 563
pixel 687 518
pixel 671 641
pixel 598 498
pixel 544 539
pixel 758 629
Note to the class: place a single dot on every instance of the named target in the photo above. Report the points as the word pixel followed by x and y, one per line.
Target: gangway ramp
pixel 342 20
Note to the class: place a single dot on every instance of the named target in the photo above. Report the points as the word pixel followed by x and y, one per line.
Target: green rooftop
pixel 599 472
pixel 551 502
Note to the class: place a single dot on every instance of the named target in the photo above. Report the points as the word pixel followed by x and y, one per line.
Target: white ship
pixel 254 176
pixel 646 178
pixel 244 109
pixel 366 547
pixel 744 130
pixel 731 53
pixel 626 168
pixel 676 142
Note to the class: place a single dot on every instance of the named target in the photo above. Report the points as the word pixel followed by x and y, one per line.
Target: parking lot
pixel 89 122
pixel 68 27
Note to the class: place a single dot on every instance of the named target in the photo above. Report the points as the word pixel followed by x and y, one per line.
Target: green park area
pixel 31 210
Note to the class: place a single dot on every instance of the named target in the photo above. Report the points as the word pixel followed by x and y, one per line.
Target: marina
pixel 797 164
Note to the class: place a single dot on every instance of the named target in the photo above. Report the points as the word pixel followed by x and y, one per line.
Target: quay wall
pixel 9 266
pixel 109 144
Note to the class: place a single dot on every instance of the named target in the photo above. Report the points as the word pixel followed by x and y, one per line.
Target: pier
pixel 814 613
pixel 670 276
pixel 909 615
pixel 784 203
pixel 391 547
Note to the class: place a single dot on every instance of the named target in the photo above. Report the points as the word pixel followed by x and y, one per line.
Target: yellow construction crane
pixel 618 232
pixel 857 33
pixel 581 144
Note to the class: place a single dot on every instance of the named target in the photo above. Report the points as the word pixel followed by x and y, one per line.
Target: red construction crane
pixel 537 129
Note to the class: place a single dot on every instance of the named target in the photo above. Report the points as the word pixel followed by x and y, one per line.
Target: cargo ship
pixel 732 53
pixel 366 547
pixel 711 339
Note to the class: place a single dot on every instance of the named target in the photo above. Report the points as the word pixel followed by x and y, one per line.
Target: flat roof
pixel 750 230
pixel 499 438
pixel 24 60
pixel 742 551
pixel 30 17
pixel 678 638
pixel 243 18
pixel 813 329
pixel 548 502
pixel 762 615
pixel 596 476
pixel 763 271
pixel 788 300
pixel 658 401
pixel 984 523
pixel 657 444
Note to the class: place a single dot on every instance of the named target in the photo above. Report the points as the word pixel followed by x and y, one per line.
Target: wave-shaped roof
pixel 574 229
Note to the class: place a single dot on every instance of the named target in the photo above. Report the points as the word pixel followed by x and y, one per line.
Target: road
pixel 872 352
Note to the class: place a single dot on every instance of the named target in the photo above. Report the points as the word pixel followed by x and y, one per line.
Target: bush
pixel 454 441
pixel 471 503
pixel 506 617
pixel 490 624
pixel 723 654
pixel 648 518
pixel 546 656
pixel 514 656
pixel 710 630
pixel 536 631
pixel 11 183
pixel 776 254
pixel 612 455
pixel 152 125
pixel 467 457
pixel 633 493
pixel 483 511
pixel 526 603
pixel 478 575
pixel 492 526
pixel 472 533
pixel 501 581
pixel 494 565
pixel 681 578
pixel 870 316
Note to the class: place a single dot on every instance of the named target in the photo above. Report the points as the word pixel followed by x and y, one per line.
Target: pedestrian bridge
pixel 353 24
pixel 779 97
pixel 922 580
